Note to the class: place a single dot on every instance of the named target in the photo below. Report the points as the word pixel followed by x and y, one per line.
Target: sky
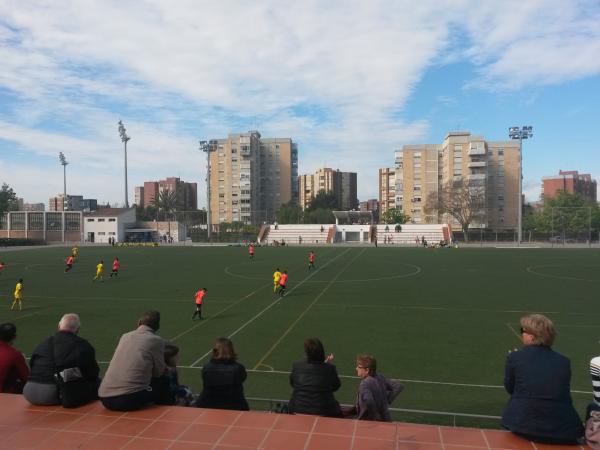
pixel 349 81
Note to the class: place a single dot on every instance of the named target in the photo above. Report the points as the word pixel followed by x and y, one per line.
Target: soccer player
pixel 283 283
pixel 251 251
pixel 276 277
pixel 115 268
pixel 99 271
pixel 75 252
pixel 2 266
pixel 69 262
pixel 18 294
pixel 311 260
pixel 199 298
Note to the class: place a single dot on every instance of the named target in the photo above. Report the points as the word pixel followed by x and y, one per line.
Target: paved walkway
pixel 23 426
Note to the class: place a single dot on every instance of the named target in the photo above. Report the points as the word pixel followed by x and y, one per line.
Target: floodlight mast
pixel 124 139
pixel 207 147
pixel 64 163
pixel 525 132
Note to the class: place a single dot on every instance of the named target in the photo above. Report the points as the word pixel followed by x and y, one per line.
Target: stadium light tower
pixel 64 163
pixel 124 139
pixel 207 147
pixel 525 132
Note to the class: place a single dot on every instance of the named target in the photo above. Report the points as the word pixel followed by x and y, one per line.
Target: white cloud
pixel 334 77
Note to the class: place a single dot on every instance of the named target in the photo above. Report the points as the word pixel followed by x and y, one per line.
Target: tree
pixel 323 200
pixel 461 200
pixel 165 202
pixel 8 199
pixel 319 215
pixel 394 215
pixel 289 212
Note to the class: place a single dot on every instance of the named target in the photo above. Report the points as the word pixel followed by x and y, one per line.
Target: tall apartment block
pixel 342 184
pixel 492 166
pixel 570 181
pixel 187 193
pixel 387 189
pixel 369 205
pixel 251 177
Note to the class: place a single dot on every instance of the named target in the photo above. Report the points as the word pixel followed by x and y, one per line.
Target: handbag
pixel 592 430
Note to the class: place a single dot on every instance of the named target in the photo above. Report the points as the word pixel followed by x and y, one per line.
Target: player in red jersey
pixel 199 298
pixel 311 260
pixel 115 268
pixel 283 283
pixel 251 251
pixel 69 262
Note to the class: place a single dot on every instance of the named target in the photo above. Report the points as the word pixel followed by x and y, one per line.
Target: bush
pixel 10 242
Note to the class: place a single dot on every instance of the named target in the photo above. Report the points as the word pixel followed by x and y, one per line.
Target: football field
pixel 441 320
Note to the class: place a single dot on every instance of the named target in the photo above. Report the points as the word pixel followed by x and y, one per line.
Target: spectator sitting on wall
pixel 70 357
pixel 136 374
pixel 13 368
pixel 538 380
pixel 314 381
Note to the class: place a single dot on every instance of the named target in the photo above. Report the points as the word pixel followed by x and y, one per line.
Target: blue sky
pixel 349 81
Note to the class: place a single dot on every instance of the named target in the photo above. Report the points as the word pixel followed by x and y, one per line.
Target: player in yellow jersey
pixel 75 252
pixel 99 271
pixel 276 277
pixel 18 294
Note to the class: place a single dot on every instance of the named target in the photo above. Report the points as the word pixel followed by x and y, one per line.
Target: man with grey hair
pixel 63 368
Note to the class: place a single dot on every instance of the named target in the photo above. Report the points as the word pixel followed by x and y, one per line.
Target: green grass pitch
pixel 442 320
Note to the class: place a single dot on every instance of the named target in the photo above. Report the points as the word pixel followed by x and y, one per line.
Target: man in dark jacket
pixel 538 381
pixel 314 382
pixel 63 368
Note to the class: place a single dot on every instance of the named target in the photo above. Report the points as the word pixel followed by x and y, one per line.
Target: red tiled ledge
pixel 23 426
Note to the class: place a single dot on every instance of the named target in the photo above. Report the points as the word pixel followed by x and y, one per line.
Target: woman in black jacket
pixel 223 379
pixel 538 381
pixel 314 382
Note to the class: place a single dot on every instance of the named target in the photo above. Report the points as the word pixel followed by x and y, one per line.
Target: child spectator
pixel 181 395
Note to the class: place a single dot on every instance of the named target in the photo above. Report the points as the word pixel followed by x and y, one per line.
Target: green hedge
pixel 8 242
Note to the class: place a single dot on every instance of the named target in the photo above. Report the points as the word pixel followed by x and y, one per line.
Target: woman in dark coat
pixel 538 380
pixel 223 379
pixel 314 382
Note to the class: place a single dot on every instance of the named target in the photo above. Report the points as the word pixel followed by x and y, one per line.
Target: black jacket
pixel 223 386
pixel 70 350
pixel 538 380
pixel 314 385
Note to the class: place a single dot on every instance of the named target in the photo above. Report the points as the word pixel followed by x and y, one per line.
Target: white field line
pixel 513 331
pixel 308 308
pixel 275 302
pixel 139 299
pixel 404 380
pixel 439 308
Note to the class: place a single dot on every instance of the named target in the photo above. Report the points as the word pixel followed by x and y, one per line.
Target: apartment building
pixel 570 181
pixel 369 205
pixel 387 189
pixel 490 166
pixel 342 184
pixel 251 177
pixel 186 193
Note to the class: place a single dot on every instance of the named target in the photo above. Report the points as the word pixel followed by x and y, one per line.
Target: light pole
pixel 124 139
pixel 524 132
pixel 207 147
pixel 64 163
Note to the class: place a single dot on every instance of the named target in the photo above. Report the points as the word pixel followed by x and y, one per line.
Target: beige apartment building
pixel 342 184
pixel 387 189
pixel 492 166
pixel 251 177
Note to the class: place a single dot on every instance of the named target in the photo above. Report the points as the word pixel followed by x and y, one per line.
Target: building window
pixel 101 233
pixel 112 233
pixel 100 220
pixel 90 220
pixel 112 220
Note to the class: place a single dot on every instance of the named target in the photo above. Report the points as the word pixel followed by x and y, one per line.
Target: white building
pixel 106 223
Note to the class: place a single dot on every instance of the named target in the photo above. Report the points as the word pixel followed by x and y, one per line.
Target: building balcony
pixel 473 164
pixel 476 151
pixel 476 177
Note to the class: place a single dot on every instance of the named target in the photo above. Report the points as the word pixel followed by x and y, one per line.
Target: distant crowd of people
pixel 143 370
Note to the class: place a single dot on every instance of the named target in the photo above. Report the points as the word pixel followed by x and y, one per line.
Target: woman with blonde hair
pixel 538 380
pixel 223 378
